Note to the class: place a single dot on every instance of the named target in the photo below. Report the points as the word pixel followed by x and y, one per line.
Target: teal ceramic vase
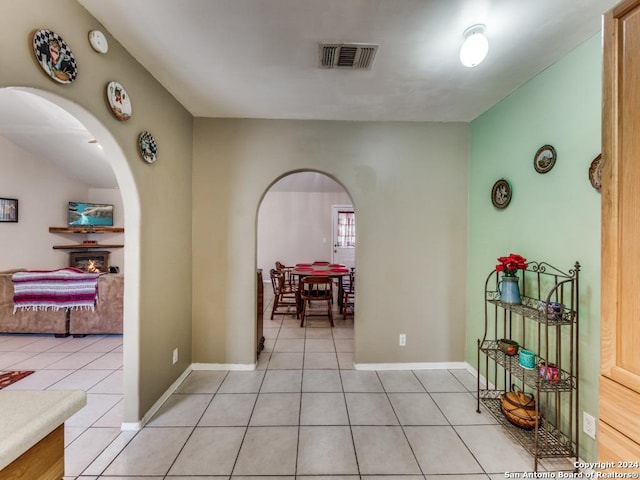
pixel 509 290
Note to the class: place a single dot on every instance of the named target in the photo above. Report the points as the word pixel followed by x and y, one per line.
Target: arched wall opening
pixel 130 199
pixel 295 224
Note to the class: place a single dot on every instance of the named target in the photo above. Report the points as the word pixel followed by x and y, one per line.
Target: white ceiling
pixel 259 59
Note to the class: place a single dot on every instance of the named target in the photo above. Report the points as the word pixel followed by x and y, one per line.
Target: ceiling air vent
pixel 347 55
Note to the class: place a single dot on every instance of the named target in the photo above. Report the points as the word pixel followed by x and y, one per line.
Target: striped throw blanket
pixel 66 288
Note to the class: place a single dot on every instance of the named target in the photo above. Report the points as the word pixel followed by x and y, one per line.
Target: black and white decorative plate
pixel 55 56
pixel 119 101
pixel 148 147
pixel 501 193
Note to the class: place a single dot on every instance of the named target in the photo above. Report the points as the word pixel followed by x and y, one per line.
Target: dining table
pixel 331 270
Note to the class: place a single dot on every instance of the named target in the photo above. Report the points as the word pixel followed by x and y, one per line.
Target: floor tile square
pixel 86 448
pixel 289 345
pixel 383 451
pixel 319 345
pixel 209 451
pixel 460 409
pixel 496 451
pixel 439 381
pixel 320 360
pixel 345 345
pixel 370 409
pixel 440 450
pixel 282 381
pixel 274 409
pixel 321 381
pixel 242 382
pixel 112 384
pixel 319 332
pixel 416 409
pixel 97 405
pixel 202 381
pixel 323 409
pixel 360 381
pixel 400 381
pixel 291 332
pixel 229 409
pixel 151 452
pixel 326 451
pixel 282 361
pixel 345 360
pixel 268 451
pixel 181 410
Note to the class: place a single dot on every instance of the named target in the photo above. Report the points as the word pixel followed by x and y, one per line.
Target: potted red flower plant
pixel 508 287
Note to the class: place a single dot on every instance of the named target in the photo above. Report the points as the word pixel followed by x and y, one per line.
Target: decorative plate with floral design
pixel 55 56
pixel 148 147
pixel 119 101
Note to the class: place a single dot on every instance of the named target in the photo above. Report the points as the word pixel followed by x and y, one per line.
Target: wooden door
pixel 619 415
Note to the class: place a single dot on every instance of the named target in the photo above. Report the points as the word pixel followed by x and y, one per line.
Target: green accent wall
pixel 552 217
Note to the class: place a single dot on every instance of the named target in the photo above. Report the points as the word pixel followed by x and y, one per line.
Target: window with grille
pixel 346 229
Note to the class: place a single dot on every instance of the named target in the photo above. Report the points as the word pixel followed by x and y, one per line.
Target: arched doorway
pixel 295 225
pixel 128 192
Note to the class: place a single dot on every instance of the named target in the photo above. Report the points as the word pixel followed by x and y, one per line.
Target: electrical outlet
pixel 175 355
pixel 589 424
pixel 403 340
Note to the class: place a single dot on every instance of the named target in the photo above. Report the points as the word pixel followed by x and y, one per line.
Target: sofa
pixel 106 318
pixel 107 315
pixel 31 321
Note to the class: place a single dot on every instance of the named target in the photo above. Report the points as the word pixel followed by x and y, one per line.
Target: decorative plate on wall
pixel 98 41
pixel 147 147
pixel 595 173
pixel 545 159
pixel 119 101
pixel 55 56
pixel 501 193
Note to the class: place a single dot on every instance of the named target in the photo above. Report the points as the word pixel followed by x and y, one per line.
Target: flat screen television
pixel 90 214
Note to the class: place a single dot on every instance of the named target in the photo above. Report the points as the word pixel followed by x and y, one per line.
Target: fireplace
pixel 97 261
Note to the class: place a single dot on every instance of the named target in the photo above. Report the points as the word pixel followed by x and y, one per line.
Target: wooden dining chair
pixel 290 278
pixel 284 296
pixel 349 294
pixel 315 289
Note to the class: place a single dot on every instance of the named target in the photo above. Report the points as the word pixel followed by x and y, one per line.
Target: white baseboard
pixel 411 366
pixel 224 366
pixel 156 406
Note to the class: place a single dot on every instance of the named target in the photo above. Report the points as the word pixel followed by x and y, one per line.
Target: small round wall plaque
pixel 545 159
pixel 147 147
pixel 501 194
pixel 98 41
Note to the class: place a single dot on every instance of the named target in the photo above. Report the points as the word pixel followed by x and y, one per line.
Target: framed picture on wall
pixel 8 210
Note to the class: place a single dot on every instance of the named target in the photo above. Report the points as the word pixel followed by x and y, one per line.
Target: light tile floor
pixel 303 413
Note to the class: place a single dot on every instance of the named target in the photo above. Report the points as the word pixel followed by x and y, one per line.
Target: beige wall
pixel 408 182
pixel 157 198
pixel 295 227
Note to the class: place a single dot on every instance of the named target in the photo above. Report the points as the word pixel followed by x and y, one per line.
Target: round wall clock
pixel 147 147
pixel 119 101
pixel 595 173
pixel 98 41
pixel 55 56
pixel 544 159
pixel 501 193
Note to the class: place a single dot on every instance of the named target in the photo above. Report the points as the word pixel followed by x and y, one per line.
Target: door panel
pixel 619 425
pixel 344 235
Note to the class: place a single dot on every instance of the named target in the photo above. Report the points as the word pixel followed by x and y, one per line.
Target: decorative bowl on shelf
pixel 508 347
pixel 549 372
pixel 553 309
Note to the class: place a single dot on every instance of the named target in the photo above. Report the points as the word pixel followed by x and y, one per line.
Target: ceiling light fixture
pixel 475 46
